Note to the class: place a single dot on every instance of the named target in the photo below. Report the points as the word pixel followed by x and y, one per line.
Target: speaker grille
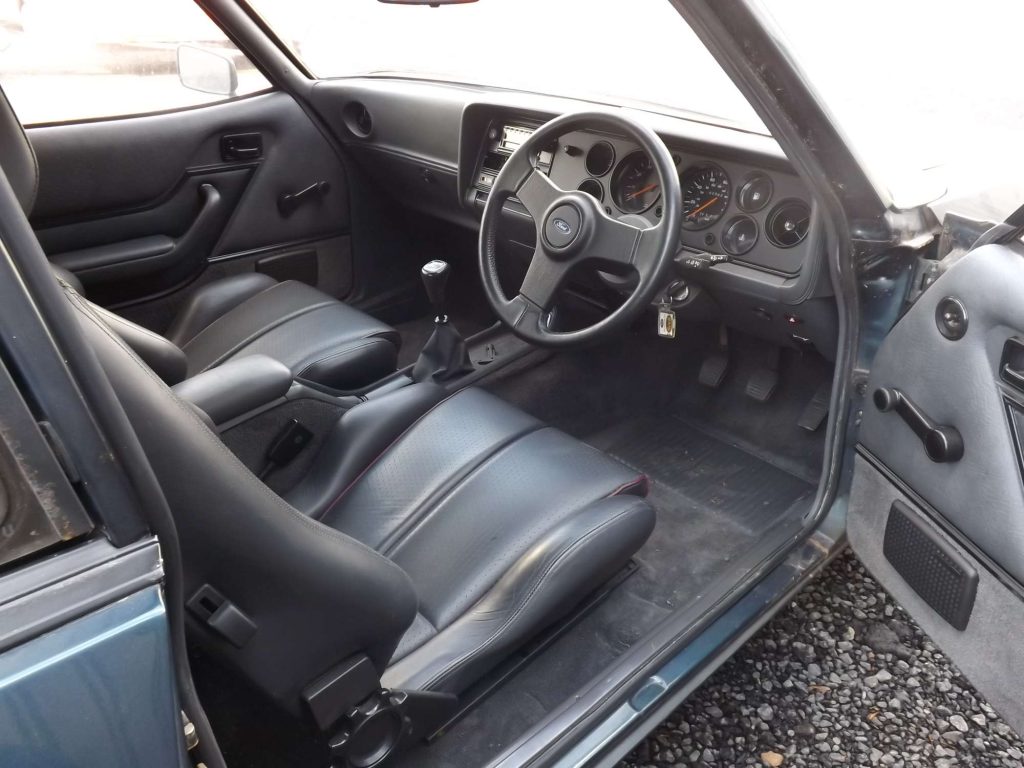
pixel 942 577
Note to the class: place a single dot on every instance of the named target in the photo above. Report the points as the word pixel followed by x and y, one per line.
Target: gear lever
pixel 444 356
pixel 435 280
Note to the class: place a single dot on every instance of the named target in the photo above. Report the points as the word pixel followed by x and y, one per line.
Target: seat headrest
pixel 17 157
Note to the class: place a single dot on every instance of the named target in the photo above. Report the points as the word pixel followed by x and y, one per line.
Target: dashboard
pixel 751 252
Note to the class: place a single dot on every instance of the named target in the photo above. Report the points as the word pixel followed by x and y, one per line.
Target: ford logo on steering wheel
pixel 562 226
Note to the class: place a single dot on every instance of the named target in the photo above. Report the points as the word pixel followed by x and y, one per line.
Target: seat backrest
pixel 17 157
pixel 315 595
pixel 163 356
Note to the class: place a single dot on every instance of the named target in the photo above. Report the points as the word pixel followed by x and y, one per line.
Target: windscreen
pixel 638 52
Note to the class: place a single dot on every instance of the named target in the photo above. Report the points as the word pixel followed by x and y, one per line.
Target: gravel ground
pixel 841 677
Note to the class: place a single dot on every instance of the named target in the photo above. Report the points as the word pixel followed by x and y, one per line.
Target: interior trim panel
pixel 957 383
pixel 112 186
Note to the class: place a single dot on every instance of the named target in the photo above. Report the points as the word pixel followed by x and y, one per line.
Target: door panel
pixel 124 256
pixel 99 683
pixel 139 206
pixel 947 537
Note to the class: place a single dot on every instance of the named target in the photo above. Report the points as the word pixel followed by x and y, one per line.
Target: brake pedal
pixel 816 410
pixel 761 386
pixel 713 370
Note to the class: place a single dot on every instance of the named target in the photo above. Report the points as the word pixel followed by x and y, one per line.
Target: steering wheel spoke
pixel 527 317
pixel 544 278
pixel 620 244
pixel 537 193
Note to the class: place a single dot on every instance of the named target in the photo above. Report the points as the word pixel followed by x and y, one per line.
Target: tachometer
pixel 635 186
pixel 706 190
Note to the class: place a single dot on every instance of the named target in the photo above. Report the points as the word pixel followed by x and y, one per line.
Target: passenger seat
pixel 318 337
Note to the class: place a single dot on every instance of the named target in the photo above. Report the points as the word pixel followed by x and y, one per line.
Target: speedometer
pixel 706 190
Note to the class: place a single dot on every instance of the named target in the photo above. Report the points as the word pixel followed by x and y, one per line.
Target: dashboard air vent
pixel 357 118
pixel 788 223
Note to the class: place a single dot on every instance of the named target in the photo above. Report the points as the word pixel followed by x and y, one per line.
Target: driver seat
pixel 433 535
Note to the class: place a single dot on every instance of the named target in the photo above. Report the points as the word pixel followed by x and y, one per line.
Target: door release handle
pixel 1013 376
pixel 287 203
pixel 241 146
pixel 942 443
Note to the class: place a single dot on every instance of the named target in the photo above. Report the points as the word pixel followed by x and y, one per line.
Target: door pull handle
pixel 287 203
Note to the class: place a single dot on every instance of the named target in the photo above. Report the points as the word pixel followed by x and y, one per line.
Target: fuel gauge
pixel 755 193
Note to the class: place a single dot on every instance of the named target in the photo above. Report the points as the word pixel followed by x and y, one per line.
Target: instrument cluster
pixel 753 215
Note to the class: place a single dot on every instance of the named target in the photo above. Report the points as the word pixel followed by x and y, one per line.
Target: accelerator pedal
pixel 816 410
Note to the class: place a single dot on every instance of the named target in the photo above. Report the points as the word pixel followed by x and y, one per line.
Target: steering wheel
pixel 573 228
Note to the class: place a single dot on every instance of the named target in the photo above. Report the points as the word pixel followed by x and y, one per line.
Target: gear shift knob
pixel 435 278
pixel 444 356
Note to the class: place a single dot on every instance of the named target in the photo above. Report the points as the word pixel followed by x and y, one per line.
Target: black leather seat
pixel 433 534
pixel 318 337
pixel 501 522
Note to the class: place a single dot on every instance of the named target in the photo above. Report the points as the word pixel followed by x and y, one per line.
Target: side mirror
pixel 206 71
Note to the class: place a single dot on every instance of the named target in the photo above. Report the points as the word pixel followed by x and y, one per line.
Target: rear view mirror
pixel 206 71
pixel 431 3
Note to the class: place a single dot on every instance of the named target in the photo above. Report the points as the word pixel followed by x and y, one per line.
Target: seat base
pixel 318 337
pixel 492 682
pixel 386 723
pixel 502 523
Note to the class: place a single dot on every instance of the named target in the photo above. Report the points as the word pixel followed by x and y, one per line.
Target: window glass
pixel 925 90
pixel 66 60
pixel 621 52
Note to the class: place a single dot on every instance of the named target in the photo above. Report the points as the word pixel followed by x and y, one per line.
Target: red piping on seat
pixel 387 448
pixel 641 485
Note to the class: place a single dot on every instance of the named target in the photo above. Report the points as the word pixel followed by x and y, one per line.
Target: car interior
pixel 454 414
